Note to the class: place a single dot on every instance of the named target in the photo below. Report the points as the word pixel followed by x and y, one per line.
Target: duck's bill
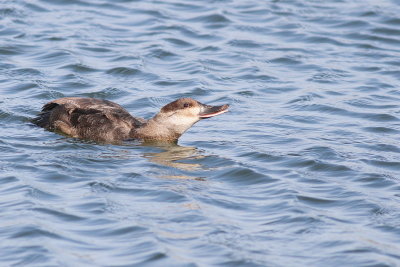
pixel 211 111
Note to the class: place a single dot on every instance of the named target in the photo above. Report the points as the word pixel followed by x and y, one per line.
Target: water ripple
pixel 303 170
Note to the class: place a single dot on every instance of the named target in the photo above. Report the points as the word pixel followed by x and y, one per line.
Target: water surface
pixel 304 169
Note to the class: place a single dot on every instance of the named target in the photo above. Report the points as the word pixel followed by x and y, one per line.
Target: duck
pixel 104 121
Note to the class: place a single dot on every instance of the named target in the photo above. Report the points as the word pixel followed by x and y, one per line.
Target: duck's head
pixel 181 114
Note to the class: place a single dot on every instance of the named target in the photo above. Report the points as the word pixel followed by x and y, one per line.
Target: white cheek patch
pixel 185 120
pixel 181 123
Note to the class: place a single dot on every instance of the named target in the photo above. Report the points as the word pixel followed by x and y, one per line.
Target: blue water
pixel 303 171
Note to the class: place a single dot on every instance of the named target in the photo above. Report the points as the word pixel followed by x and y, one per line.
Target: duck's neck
pixel 156 129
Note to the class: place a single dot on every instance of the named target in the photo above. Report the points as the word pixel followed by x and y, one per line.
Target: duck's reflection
pixel 181 160
pixel 178 158
pixel 173 155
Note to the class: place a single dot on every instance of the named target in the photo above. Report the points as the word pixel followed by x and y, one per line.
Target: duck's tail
pixel 42 119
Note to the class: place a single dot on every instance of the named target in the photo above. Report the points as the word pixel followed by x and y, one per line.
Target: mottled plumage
pixel 105 121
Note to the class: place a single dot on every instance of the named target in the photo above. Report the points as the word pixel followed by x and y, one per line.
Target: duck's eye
pixel 186 105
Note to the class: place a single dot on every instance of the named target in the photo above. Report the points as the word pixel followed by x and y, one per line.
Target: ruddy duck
pixel 105 121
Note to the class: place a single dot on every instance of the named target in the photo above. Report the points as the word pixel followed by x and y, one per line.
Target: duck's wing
pixel 87 118
pixel 103 124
